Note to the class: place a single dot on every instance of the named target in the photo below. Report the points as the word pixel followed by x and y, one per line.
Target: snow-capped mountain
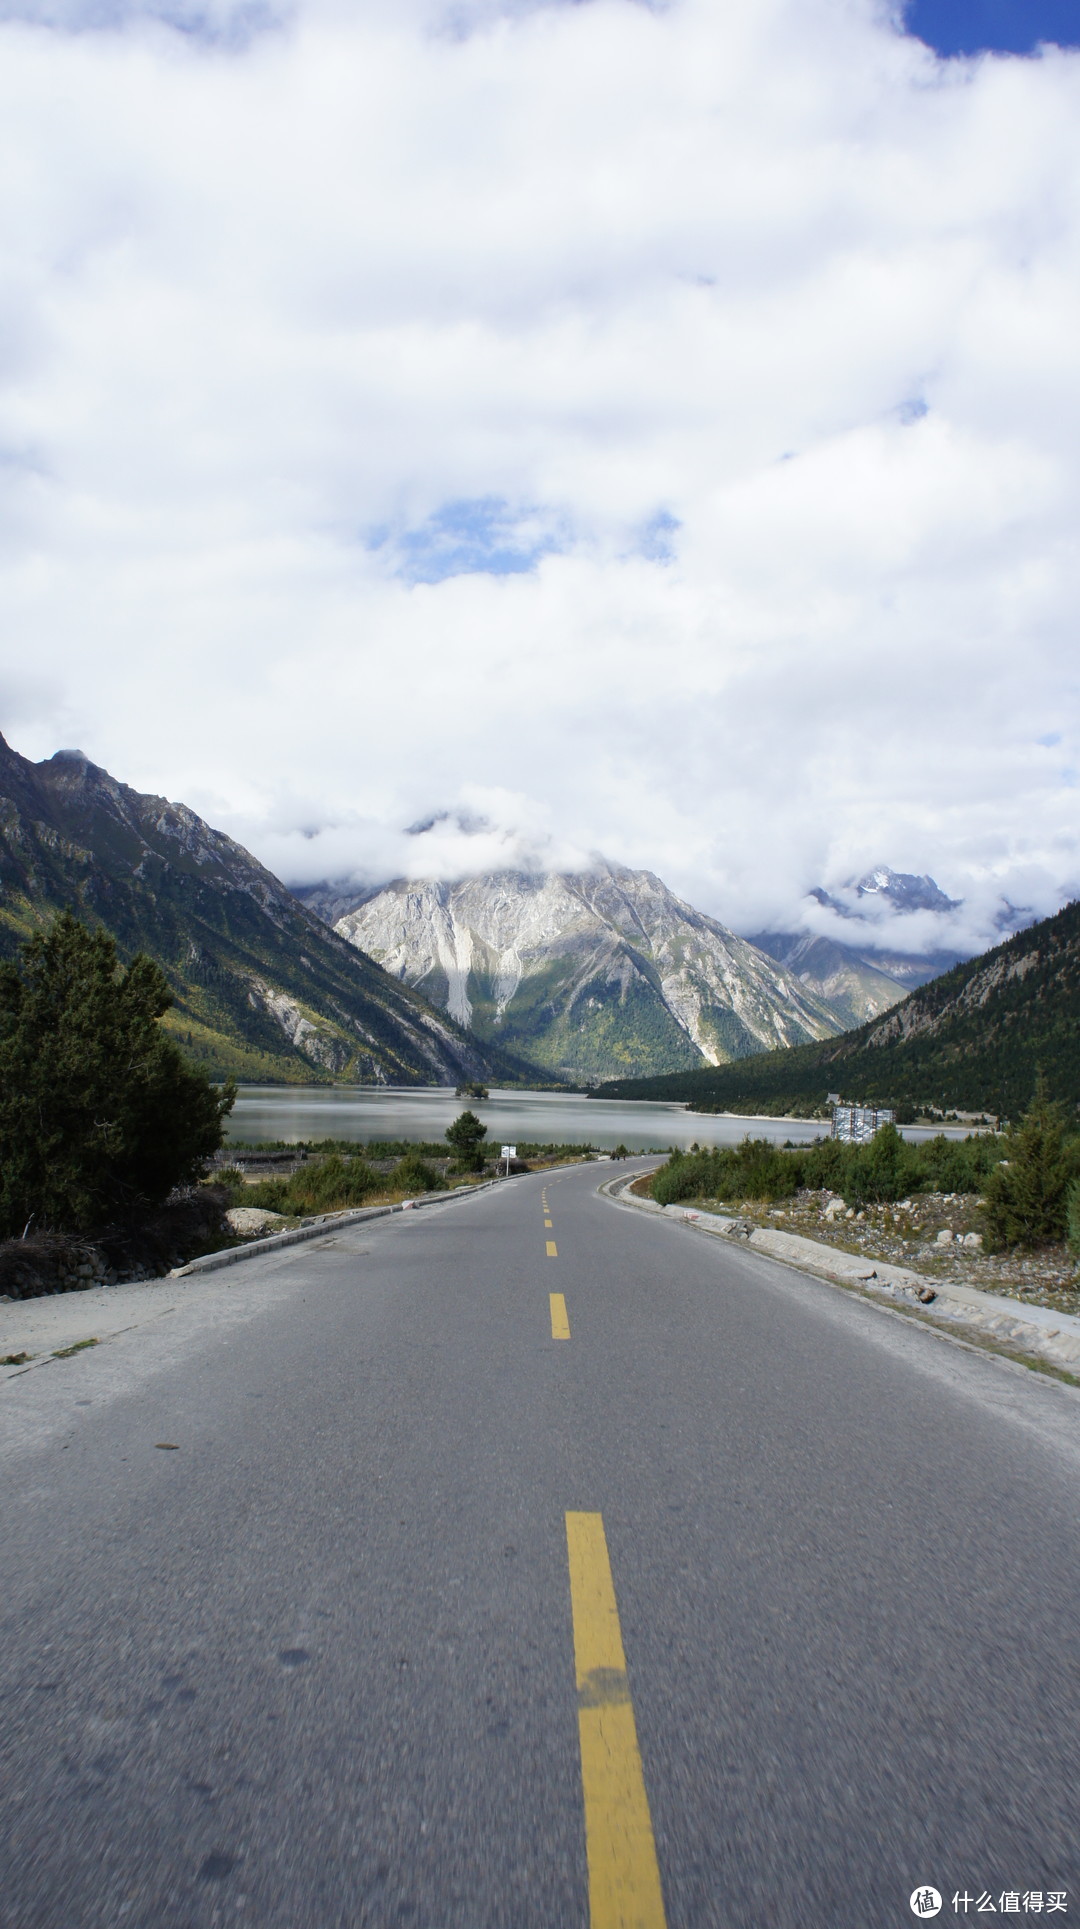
pixel 858 976
pixel 591 974
pixel 902 890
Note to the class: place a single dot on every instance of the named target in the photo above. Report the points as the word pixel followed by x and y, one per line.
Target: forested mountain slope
pixel 264 990
pixel 974 1038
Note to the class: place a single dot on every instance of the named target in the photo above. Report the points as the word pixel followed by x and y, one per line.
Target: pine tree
pixel 880 1171
pixel 100 1115
pixel 1026 1195
pixel 466 1135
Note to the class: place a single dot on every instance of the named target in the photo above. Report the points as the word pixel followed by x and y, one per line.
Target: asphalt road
pixel 315 1667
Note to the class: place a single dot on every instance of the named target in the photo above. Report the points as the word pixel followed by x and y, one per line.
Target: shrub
pixel 413 1174
pixel 883 1170
pixel 753 1170
pixel 330 1185
pixel 271 1194
pixel 886 1169
pixel 232 1181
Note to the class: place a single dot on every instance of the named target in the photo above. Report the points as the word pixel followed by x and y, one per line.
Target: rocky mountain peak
pixel 581 971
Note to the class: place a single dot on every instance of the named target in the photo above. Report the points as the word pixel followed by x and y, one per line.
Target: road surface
pixel 316 1618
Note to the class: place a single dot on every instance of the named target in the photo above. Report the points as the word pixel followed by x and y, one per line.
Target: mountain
pixel 858 980
pixel 263 989
pixel 902 889
pixel 582 972
pixel 974 1038
pixel 853 988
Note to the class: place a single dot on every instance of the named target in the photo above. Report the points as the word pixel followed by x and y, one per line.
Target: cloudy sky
pixel 646 429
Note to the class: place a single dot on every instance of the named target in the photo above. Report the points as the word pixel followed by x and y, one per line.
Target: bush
pixel 100 1115
pixel 271 1194
pixel 413 1174
pixel 753 1170
pixel 1027 1194
pixel 886 1169
pixel 881 1171
pixel 330 1185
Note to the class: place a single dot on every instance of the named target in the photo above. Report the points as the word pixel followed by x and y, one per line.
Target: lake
pixel 364 1112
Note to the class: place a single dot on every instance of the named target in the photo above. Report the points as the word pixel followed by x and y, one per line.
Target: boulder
pixel 249 1221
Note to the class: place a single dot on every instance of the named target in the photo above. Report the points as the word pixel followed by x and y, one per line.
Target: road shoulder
pixel 1033 1335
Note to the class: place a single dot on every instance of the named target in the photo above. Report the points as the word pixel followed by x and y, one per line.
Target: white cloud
pixel 650 430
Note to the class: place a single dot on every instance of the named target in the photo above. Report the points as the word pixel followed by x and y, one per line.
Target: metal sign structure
pixel 856 1124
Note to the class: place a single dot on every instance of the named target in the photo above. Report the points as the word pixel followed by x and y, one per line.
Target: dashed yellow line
pixel 552 1249
pixel 547 1222
pixel 560 1324
pixel 624 1878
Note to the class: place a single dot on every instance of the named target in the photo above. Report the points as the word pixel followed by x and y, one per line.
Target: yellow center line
pixel 560 1324
pixel 547 1222
pixel 552 1249
pixel 624 1879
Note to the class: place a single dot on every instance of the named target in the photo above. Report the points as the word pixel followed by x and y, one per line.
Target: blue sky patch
pixel 997 26
pixel 481 535
pixel 657 540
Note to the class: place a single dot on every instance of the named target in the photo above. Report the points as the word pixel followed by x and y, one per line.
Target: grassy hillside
pixel 972 1039
pixel 607 1022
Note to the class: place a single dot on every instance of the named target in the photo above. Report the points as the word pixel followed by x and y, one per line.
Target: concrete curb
pixel 329 1222
pixel 1034 1330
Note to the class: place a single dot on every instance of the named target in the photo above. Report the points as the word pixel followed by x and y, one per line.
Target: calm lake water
pixel 364 1112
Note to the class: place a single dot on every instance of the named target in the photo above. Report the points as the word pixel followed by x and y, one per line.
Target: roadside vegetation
pixel 332 1175
pixel 1013 1198
pixel 886 1169
pixel 333 1183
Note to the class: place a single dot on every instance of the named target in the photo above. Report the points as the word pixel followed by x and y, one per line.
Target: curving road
pixel 334 1655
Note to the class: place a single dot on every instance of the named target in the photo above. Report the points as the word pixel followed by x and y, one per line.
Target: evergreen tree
pixel 1072 1218
pixel 467 1135
pixel 882 1170
pixel 99 1112
pixel 1027 1193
